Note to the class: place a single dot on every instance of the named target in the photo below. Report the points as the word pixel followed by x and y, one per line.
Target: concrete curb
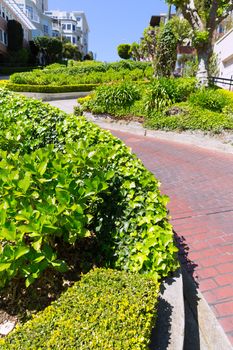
pixel 169 330
pixel 189 138
pixel 55 96
pixel 202 329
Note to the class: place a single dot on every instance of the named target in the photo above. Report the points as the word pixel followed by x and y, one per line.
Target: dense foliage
pixel 83 182
pixel 143 99
pixel 50 88
pixel 168 104
pixel 204 16
pixel 166 52
pixel 106 310
pixel 85 73
pixel 123 51
pixel 50 47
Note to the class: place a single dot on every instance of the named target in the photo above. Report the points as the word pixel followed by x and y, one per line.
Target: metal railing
pixel 222 82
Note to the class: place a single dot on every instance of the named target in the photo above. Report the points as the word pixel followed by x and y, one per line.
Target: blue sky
pixel 112 22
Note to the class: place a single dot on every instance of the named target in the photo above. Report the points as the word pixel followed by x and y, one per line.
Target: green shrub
pixel 151 97
pixel 156 97
pixel 191 117
pixel 114 99
pixel 210 99
pixel 83 73
pixel 106 310
pixel 51 88
pixel 53 66
pixel 59 194
pixel 12 70
pixel 128 216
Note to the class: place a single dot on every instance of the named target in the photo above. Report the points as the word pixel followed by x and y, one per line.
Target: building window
pixel 64 26
pixel 5 38
pixel 29 12
pixel 78 19
pixel 68 26
pixel 73 28
pixel 68 38
pixel 46 29
pixel 1 35
pixel 74 40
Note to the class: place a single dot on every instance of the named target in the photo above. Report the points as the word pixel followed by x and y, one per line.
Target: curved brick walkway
pixel 199 183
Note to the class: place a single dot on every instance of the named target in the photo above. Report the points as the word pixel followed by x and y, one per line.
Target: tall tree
pixel 204 16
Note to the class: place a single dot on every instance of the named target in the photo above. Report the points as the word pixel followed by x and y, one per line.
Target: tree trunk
pixel 203 55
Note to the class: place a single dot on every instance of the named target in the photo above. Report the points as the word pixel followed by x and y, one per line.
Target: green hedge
pixel 11 70
pixel 87 182
pixel 51 88
pixel 106 310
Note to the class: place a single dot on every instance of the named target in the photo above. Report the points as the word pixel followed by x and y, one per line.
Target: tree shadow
pixel 190 291
pixel 161 333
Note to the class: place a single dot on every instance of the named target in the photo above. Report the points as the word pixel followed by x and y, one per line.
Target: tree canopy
pixel 203 16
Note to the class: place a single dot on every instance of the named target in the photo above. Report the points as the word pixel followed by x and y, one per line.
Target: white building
pixel 224 50
pixel 34 10
pixel 72 26
pixel 9 10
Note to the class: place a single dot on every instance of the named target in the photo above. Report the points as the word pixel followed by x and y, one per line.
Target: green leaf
pixel 42 167
pixel 20 251
pixel 4 266
pixel 25 182
pixel 29 281
pixel 62 196
pixel 8 232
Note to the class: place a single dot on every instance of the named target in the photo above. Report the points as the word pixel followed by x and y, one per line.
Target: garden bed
pixel 70 190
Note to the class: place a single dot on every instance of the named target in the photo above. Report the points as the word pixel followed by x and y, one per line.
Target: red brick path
pixel 199 183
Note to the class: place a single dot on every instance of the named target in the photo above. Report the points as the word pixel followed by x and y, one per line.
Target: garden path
pixel 199 182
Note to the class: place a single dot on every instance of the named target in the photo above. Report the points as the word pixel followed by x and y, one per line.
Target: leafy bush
pixel 54 66
pixel 51 88
pixel 179 89
pixel 156 97
pixel 210 99
pixel 151 97
pixel 126 211
pixel 84 74
pixel 106 310
pixel 11 70
pixel 191 118
pixel 114 99
pixel 59 193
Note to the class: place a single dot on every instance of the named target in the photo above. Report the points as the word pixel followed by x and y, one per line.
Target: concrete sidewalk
pixel 199 182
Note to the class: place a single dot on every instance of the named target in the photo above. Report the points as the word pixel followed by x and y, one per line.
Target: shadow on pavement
pixel 160 337
pixel 190 291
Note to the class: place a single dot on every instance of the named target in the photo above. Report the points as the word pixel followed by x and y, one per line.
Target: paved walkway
pixel 199 183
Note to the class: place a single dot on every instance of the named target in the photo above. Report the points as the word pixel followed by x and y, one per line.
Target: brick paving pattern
pixel 199 183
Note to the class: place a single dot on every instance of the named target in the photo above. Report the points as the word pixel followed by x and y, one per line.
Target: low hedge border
pixel 11 70
pixel 106 310
pixel 51 88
